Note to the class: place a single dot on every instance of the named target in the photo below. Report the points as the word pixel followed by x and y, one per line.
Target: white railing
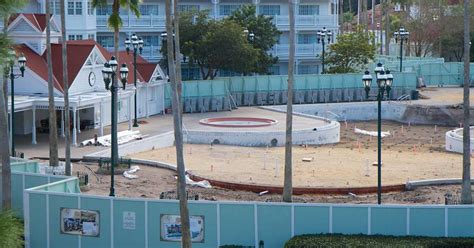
pixel 306 20
pixel 143 21
pixel 303 50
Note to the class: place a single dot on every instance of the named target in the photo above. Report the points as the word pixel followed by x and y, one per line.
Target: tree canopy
pixel 215 45
pixel 351 52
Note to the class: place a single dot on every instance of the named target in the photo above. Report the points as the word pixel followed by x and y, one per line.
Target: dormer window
pixel 74 7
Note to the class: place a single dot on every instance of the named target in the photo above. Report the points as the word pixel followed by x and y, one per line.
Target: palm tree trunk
pixel 5 74
pixel 53 130
pixel 5 152
pixel 387 27
pixel 116 10
pixel 178 132
pixel 177 51
pixel 288 183
pixel 466 195
pixel 67 119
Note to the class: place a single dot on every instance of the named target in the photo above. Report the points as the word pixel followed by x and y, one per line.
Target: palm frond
pixel 99 3
pixel 115 21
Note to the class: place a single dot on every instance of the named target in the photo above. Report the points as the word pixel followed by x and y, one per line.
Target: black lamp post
pixel 401 35
pixel 384 82
pixel 21 63
pixel 322 39
pixel 137 45
pixel 110 81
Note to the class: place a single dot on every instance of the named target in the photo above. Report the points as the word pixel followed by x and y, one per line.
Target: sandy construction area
pixel 409 153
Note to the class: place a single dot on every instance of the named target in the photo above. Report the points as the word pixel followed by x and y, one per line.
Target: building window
pixel 270 10
pixel 90 9
pixel 78 8
pixel 105 41
pixel 307 69
pixel 105 10
pixel 225 10
pixel 55 8
pixel 333 8
pixel 71 37
pixel 79 37
pixel 91 36
pixel 188 8
pixel 150 40
pixel 70 8
pixel 148 9
pixel 308 10
pixel 306 38
pixel 274 70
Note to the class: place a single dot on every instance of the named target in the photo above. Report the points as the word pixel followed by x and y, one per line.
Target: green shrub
pixel 11 230
pixel 341 241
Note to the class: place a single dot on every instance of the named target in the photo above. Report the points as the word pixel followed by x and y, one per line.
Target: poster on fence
pixel 171 228
pixel 80 222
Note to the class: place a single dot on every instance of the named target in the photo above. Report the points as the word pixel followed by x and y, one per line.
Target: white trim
pixel 446 219
pixel 408 221
pixel 218 224
pixel 369 220
pixel 292 221
pixel 47 220
pixel 111 222
pixel 146 224
pixel 255 223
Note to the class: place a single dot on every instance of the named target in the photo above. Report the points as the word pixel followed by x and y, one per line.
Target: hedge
pixel 341 241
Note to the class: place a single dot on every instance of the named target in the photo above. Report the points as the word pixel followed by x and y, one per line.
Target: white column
pixel 130 112
pixel 33 127
pixel 62 123
pixel 101 118
pixel 147 88
pixel 74 129
pixel 78 122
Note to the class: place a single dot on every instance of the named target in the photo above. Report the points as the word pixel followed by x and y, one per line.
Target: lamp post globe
pixel 324 36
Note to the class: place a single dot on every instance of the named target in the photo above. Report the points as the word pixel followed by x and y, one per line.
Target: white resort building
pixel 85 22
pixel 89 100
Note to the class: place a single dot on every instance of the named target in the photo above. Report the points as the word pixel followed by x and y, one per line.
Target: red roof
pixel 77 53
pixel 37 20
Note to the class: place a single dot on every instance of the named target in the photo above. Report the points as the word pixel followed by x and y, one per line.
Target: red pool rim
pixel 258 122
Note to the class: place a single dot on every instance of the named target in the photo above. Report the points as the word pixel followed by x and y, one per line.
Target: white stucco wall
pixel 454 140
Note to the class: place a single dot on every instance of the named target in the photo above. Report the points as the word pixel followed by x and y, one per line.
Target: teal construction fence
pixel 227 92
pixel 224 222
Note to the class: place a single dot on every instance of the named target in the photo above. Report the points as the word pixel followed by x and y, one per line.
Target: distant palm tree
pixel 288 181
pixel 115 21
pixel 466 194
pixel 67 119
pixel 53 126
pixel 174 68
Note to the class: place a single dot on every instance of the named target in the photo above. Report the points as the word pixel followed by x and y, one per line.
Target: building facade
pixel 85 22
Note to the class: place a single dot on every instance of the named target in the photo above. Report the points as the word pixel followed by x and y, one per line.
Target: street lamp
pixel 21 63
pixel 110 80
pixel 322 39
pixel 401 35
pixel 384 83
pixel 136 43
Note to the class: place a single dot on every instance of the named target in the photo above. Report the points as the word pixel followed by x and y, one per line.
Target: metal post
pixel 322 72
pixel 401 53
pixel 33 127
pixel 379 145
pixel 135 122
pixel 12 113
pixel 114 160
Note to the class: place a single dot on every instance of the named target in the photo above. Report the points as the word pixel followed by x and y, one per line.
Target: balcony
pixel 150 53
pixel 302 50
pixel 144 21
pixel 283 21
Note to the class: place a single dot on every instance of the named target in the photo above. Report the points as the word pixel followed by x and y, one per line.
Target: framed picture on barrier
pixel 171 228
pixel 80 222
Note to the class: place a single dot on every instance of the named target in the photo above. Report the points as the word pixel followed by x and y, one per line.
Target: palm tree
pixel 387 27
pixel 466 195
pixel 115 21
pixel 67 119
pixel 174 69
pixel 6 8
pixel 53 126
pixel 288 183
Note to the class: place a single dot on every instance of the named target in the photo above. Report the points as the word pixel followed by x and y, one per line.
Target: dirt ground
pixel 411 152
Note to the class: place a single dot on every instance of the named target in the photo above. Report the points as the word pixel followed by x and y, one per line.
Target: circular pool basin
pixel 238 122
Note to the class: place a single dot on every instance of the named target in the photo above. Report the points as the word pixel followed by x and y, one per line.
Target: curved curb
pixel 297 190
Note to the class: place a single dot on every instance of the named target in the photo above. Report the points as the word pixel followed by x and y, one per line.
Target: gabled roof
pixel 78 51
pixel 145 69
pixel 36 20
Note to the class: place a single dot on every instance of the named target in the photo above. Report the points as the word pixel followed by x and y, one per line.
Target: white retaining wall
pixel 454 140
